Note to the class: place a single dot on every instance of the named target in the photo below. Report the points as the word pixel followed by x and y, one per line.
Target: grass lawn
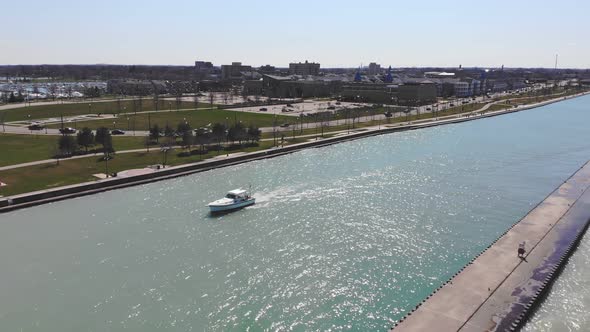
pixel 17 149
pixel 196 119
pixel 38 177
pixel 104 107
pixel 498 107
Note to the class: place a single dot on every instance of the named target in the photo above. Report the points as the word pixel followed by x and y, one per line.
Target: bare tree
pixel 156 99
pixel 52 90
pixel 196 96
pixel 211 97
pixel 225 97
pixel 69 91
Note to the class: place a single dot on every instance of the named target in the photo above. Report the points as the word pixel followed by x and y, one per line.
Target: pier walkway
pixel 497 290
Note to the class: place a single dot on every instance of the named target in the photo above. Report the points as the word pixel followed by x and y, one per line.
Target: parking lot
pixel 296 109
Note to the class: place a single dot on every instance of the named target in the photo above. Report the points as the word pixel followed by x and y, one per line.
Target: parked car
pixel 202 131
pixel 117 132
pixel 331 107
pixel 451 104
pixel 285 125
pixel 289 105
pixel 263 109
pixel 67 130
pixel 388 114
pixel 338 103
pixel 428 109
pixel 36 126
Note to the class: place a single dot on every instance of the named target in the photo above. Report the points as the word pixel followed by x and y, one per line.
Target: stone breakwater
pixel 497 290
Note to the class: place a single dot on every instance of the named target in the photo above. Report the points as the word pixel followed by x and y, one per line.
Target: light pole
pixel 226 137
pixel 127 123
pixel 165 150
pixel 106 163
pixel 274 133
pixel 89 108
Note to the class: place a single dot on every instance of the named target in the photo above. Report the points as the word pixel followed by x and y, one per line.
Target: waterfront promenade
pixel 497 290
pixel 48 195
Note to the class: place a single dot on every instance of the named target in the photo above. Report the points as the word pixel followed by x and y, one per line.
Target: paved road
pixel 57 102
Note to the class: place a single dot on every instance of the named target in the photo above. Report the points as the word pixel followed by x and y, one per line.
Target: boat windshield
pixel 232 196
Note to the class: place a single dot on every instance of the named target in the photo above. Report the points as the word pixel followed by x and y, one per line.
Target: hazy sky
pixel 335 33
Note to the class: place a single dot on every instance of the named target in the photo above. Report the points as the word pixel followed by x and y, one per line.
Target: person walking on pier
pixel 521 250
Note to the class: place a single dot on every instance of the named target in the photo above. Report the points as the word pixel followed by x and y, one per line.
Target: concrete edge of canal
pixel 25 200
pixel 496 290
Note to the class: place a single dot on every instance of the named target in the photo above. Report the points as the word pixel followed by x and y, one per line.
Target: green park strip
pixel 199 118
pixel 93 107
pixel 72 171
pixel 18 149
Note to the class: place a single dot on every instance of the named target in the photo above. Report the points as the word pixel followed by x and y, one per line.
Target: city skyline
pixel 418 34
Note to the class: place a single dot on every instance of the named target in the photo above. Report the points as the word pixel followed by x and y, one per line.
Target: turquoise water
pixel 346 237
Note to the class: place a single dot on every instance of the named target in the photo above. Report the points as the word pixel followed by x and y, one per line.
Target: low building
pixel 496 86
pixel 517 84
pixel 295 87
pixel 267 69
pixel 203 65
pixel 253 87
pixel 304 69
pixel 136 87
pixel 234 71
pixel 204 69
pixel 374 69
pixel 438 74
pixel 417 93
pixel 462 89
pixel 369 93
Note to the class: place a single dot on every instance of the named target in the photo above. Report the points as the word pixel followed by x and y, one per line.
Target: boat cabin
pixel 237 194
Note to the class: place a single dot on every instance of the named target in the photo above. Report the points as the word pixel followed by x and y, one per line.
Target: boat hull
pixel 231 207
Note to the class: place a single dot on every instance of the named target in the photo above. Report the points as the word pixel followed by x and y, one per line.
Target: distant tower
pixel 502 69
pixel 460 66
pixel 357 76
pixel 389 77
pixel 556 61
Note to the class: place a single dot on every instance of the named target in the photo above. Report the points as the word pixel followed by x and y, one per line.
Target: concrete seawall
pixel 55 194
pixel 497 291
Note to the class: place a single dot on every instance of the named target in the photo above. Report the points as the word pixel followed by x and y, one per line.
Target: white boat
pixel 235 199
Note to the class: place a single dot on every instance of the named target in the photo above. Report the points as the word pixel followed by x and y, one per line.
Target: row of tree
pixel 68 145
pixel 216 133
pixel 13 98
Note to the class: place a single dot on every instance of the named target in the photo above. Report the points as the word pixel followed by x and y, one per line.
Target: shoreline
pixel 29 199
